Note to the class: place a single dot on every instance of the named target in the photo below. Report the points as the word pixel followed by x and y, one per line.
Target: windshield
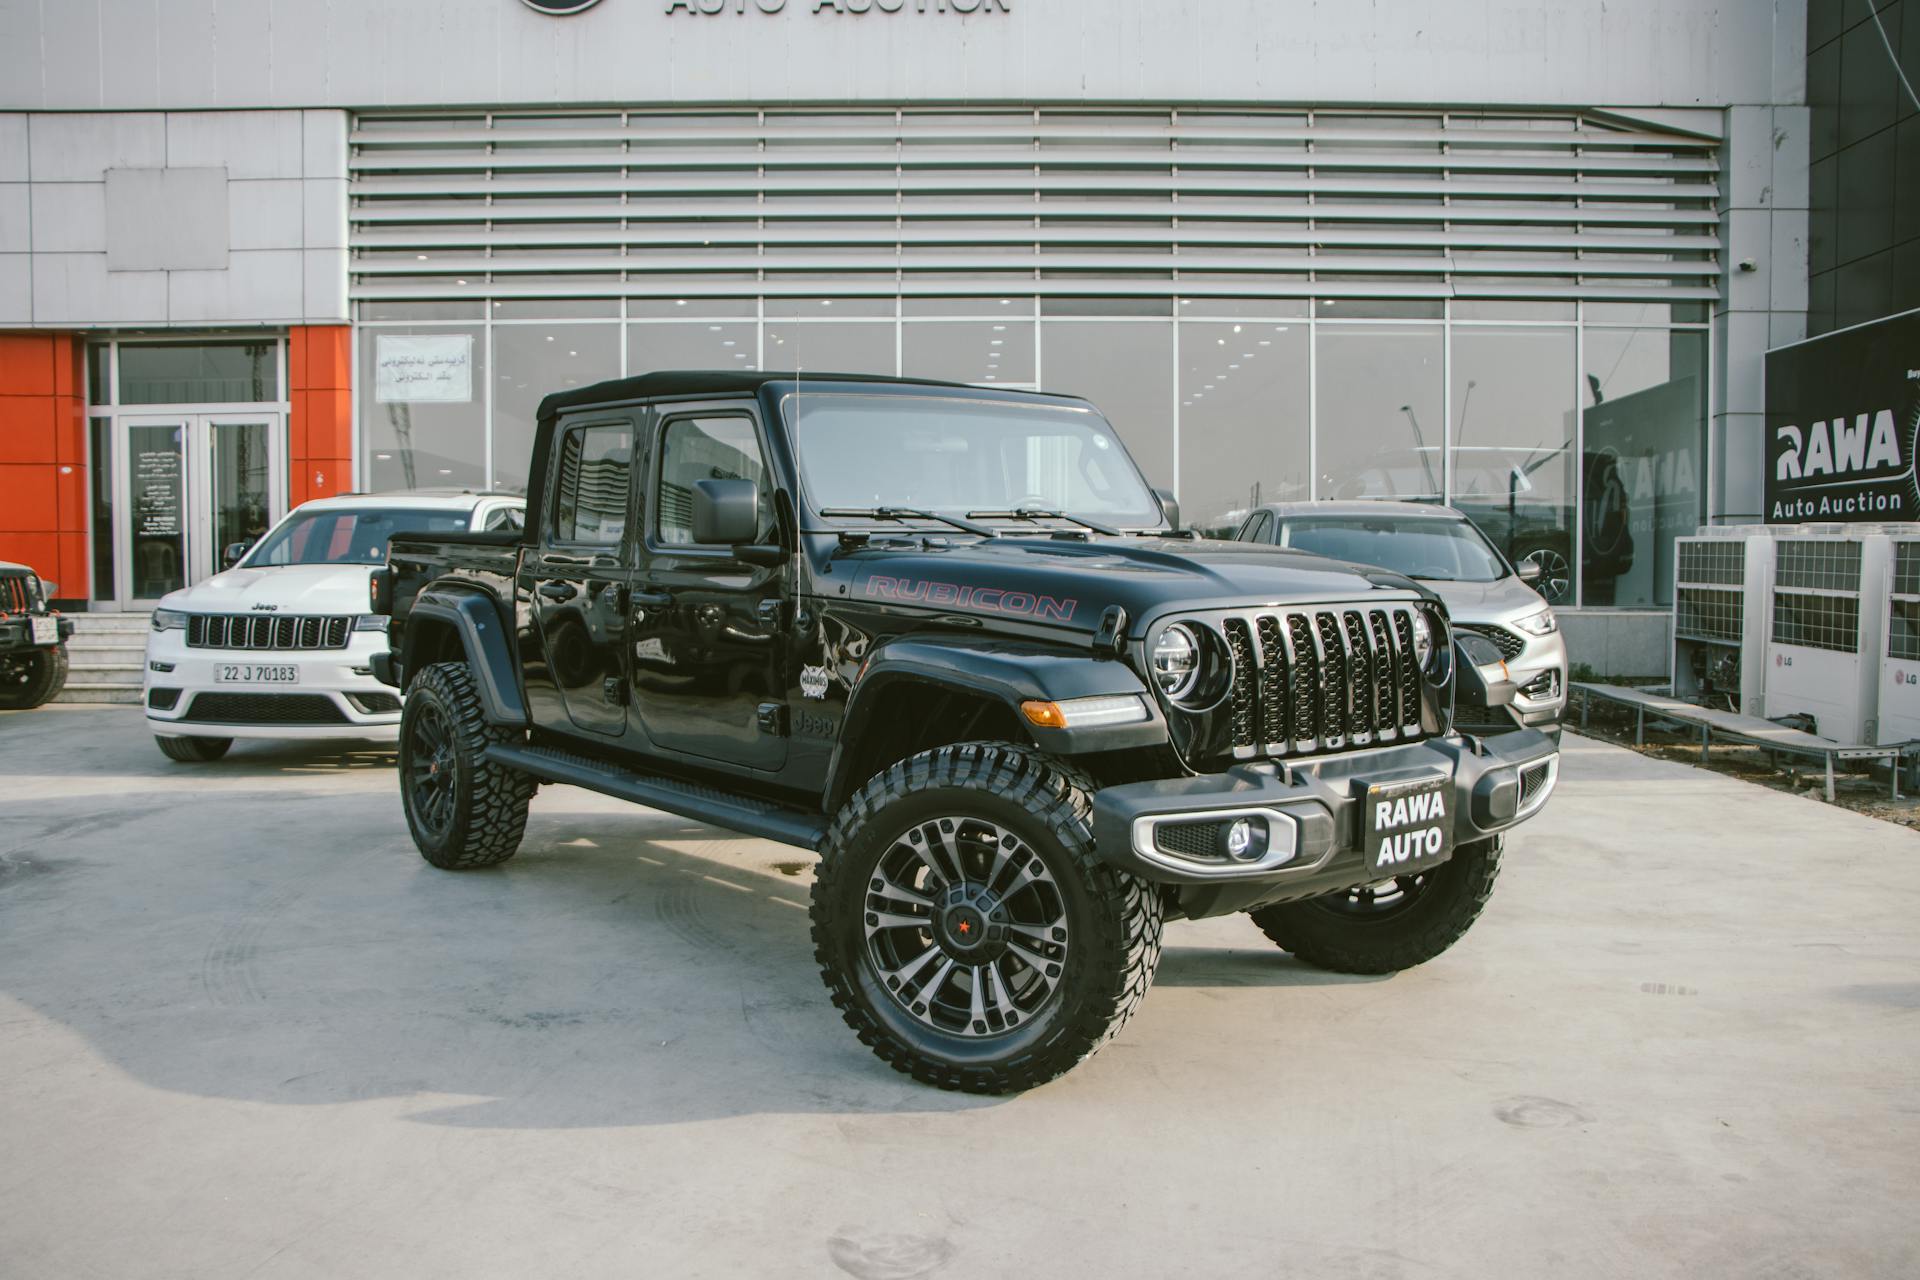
pixel 1419 546
pixel 342 536
pixel 954 456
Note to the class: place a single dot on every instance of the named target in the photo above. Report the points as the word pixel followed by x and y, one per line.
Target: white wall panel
pixel 266 214
pixel 69 217
pixel 366 53
pixel 16 288
pixel 260 284
pixel 13 147
pixel 76 289
pixel 79 148
pixel 16 218
pixel 248 144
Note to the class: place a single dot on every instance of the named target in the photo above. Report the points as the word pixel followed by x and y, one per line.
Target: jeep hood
pixel 1066 582
pixel 292 589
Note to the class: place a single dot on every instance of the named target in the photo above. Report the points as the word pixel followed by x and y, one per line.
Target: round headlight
pixel 1422 638
pixel 1176 660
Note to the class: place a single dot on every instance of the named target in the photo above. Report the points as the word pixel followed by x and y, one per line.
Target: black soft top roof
pixel 709 382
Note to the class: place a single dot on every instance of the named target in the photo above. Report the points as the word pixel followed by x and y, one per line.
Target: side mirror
pixel 1169 507
pixel 233 554
pixel 725 512
pixel 1529 571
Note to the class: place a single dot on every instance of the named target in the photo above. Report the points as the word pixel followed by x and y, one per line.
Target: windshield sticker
pixel 990 599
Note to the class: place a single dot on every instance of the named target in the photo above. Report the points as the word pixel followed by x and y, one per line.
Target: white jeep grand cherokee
pixel 279 645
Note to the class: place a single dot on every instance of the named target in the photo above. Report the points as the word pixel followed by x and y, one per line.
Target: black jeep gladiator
pixel 33 640
pixel 948 638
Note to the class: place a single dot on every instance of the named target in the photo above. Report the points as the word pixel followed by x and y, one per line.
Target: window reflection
pixel 1380 413
pixel 1644 416
pixel 1243 419
pixel 530 362
pixel 1126 369
pixel 1513 462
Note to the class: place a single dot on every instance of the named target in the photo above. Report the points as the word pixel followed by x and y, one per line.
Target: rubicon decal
pixel 954 595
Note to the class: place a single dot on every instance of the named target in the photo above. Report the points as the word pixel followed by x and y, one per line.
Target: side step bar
pixel 686 799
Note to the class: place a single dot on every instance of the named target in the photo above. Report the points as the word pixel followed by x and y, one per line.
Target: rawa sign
pixel 1843 412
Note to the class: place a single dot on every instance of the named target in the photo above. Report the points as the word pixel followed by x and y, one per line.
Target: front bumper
pixel 1542 666
pixel 1313 807
pixel 335 694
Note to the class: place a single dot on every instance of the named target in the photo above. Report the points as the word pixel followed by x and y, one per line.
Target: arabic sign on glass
pixel 423 368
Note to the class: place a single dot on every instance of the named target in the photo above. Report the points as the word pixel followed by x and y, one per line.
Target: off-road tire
pixel 46 676
pixel 485 812
pixel 1113 918
pixel 193 750
pixel 1327 937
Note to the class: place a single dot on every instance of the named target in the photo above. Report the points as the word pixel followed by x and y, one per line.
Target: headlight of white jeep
pixel 1542 623
pixel 169 620
pixel 1176 660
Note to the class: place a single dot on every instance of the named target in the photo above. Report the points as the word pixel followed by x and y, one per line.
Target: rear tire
pixel 32 679
pixel 966 929
pixel 193 750
pixel 464 810
pixel 1392 925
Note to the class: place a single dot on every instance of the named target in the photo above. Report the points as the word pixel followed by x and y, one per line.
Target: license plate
pixel 1409 825
pixel 249 673
pixel 46 631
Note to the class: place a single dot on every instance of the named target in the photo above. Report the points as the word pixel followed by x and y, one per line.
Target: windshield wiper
pixel 1037 513
pixel 909 513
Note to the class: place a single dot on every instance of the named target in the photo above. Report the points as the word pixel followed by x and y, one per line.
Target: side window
pixel 590 491
pixel 1257 529
pixel 505 518
pixel 706 448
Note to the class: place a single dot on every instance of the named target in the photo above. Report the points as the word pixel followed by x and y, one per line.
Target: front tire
pixel 464 810
pixel 193 750
pixel 32 679
pixel 965 927
pixel 1392 925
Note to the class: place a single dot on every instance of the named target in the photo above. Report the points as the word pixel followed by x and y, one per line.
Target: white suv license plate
pixel 46 631
pixel 249 673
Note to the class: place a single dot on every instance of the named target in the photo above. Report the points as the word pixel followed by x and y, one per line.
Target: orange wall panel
pixel 330 358
pixel 26 428
pixel 39 552
pixel 27 498
pixel 330 424
pixel 26 363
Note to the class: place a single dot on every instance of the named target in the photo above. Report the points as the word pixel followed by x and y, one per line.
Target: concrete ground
pixel 246 1032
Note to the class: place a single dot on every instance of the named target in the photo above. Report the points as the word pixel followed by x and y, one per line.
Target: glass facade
pixel 1499 309
pixel 1229 410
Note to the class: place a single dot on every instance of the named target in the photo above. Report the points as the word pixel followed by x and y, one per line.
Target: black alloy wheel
pixel 965 927
pixel 465 810
pixel 430 771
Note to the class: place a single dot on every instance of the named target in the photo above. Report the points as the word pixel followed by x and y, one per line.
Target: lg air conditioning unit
pixel 1721 576
pixel 1827 618
pixel 1900 663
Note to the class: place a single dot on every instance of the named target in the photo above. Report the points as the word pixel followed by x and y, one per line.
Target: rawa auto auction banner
pixel 1843 412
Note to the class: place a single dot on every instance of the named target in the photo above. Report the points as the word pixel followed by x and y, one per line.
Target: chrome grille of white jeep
pixel 266 631
pixel 1307 682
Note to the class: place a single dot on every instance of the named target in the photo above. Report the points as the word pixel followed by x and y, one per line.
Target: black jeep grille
pixel 264 708
pixel 266 631
pixel 1320 681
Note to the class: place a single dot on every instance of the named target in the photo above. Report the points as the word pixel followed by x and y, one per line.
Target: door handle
pixel 558 590
pixel 651 599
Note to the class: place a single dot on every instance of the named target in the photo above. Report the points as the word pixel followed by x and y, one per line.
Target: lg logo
pixel 560 7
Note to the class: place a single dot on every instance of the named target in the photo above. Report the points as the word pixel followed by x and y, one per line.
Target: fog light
pixel 1247 839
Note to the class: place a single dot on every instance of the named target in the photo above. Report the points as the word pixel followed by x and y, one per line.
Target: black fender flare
pixel 1006 672
pixel 474 616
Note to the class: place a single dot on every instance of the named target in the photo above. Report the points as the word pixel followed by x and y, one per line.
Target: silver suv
pixel 1441 548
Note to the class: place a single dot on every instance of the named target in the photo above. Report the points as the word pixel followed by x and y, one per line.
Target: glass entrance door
pixel 195 486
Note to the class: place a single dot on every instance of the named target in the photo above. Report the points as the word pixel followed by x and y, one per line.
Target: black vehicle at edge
pixel 1021 739
pixel 33 640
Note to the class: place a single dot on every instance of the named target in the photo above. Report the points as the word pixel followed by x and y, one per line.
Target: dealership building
pixel 1526 258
